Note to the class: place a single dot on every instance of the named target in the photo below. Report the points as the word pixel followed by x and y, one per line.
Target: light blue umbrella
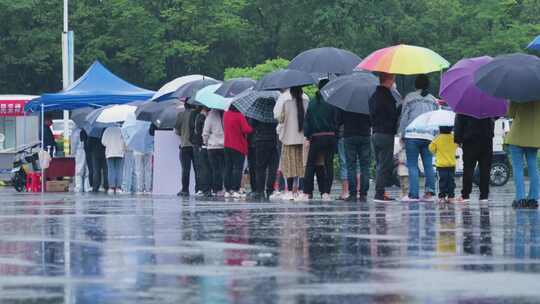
pixel 136 135
pixel 208 97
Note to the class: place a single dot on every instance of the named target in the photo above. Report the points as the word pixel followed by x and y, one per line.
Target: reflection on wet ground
pixel 98 249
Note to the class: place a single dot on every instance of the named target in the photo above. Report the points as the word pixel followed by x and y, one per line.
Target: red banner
pixel 12 108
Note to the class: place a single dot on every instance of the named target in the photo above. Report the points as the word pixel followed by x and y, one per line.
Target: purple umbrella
pixel 460 92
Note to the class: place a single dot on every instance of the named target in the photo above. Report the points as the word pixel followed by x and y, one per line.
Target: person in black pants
pixel 200 154
pixel 183 128
pixel 357 137
pixel 99 164
pixel 252 160
pixel 320 128
pixel 475 136
pixel 267 158
pixel 384 116
pixel 88 154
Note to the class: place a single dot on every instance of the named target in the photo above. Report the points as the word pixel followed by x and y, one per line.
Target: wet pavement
pixel 100 249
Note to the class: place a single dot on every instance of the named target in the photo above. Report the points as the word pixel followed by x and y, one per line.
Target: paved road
pixel 100 249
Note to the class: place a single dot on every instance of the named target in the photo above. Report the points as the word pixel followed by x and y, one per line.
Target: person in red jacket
pixel 236 129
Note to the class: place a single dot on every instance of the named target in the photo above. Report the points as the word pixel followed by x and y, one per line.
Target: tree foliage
pixel 151 41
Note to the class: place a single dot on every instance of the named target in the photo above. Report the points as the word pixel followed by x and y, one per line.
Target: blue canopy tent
pixel 97 87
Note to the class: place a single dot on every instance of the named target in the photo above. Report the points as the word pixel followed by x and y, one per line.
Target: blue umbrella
pixel 136 134
pixel 535 44
pixel 207 97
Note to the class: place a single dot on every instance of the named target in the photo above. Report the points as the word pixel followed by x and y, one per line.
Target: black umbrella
pixel 188 90
pixel 515 77
pixel 282 79
pixel 235 86
pixel 325 60
pixel 258 105
pixel 352 92
pixel 79 116
pixel 161 114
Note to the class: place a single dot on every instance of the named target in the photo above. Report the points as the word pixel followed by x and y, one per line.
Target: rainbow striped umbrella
pixel 405 60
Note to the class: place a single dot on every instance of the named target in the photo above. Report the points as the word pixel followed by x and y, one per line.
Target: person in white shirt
pixel 115 149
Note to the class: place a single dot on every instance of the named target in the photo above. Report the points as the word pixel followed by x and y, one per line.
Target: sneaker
pixel 276 196
pixel 183 194
pixel 288 196
pixel 407 199
pixel 520 204
pixel 442 200
pixel 462 200
pixel 255 196
pixel 383 199
pixel 484 200
pixel 343 197
pixel 199 193
pixel 362 198
pixel 532 204
pixel 236 195
pixel 121 192
pixel 451 200
pixel 428 197
pixel 110 191
pixel 302 198
pixel 351 199
pixel 208 194
pixel 227 194
pixel 326 197
pixel 219 194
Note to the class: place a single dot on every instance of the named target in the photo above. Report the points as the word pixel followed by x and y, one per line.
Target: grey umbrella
pixel 235 86
pixel 351 92
pixel 79 116
pixel 515 77
pixel 327 60
pixel 188 90
pixel 161 114
pixel 284 78
pixel 258 105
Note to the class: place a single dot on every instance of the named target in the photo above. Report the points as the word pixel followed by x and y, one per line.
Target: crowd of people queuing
pixel 105 163
pixel 285 156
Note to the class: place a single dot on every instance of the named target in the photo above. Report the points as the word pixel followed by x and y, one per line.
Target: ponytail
pixel 298 95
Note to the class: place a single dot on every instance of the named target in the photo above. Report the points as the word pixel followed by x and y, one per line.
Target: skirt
pixel 292 162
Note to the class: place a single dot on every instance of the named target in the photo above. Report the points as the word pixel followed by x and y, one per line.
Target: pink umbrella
pixel 460 92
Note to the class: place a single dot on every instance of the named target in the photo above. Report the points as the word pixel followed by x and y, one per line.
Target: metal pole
pixel 42 146
pixel 67 77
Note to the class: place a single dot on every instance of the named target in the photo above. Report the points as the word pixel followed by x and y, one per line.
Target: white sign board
pixel 167 167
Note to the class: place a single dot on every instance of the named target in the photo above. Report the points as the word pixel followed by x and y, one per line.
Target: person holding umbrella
pixel 266 155
pixel 350 95
pixel 417 141
pixel 236 129
pixel 384 116
pixel 200 154
pixel 184 123
pixel 213 138
pixel 290 111
pixel 320 129
pixel 523 142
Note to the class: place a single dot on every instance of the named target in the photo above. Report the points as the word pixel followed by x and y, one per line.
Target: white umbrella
pixel 172 86
pixel 117 113
pixel 432 121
